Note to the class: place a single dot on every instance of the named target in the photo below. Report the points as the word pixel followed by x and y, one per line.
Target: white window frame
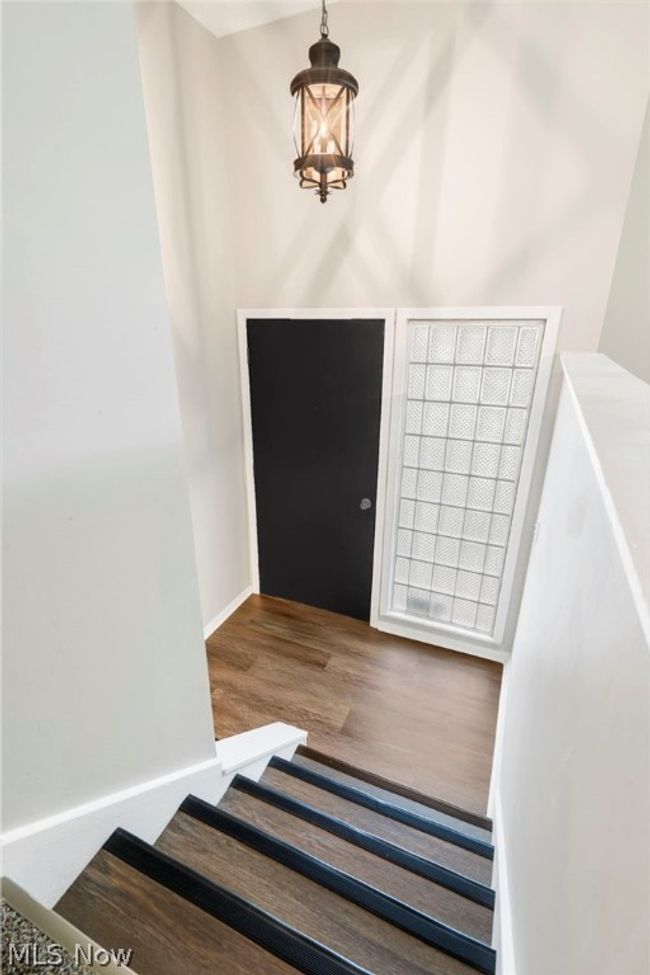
pixel 387 315
pixel 382 616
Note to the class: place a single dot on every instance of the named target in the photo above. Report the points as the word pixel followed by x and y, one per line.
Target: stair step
pixel 435 809
pixel 177 921
pixel 397 812
pixel 301 902
pixel 446 854
pixel 257 805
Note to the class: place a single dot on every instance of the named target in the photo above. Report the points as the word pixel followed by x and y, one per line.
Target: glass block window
pixel 469 390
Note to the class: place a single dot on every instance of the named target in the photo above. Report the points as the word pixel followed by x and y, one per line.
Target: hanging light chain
pixel 324 29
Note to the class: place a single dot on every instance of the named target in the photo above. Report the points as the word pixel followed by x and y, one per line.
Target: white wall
pixel 105 679
pixel 495 149
pixel 626 332
pixel 573 784
pixel 184 92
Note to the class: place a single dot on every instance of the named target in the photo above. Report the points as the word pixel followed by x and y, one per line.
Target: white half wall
pixel 105 678
pixel 185 90
pixel 572 781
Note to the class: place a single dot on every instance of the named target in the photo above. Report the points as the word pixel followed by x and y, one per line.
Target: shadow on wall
pixel 494 151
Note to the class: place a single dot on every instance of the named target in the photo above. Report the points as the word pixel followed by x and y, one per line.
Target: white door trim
pixel 400 624
pixel 387 315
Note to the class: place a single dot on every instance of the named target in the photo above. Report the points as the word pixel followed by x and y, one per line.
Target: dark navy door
pixel 315 389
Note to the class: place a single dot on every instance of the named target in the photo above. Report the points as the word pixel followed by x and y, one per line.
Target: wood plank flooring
pixel 419 715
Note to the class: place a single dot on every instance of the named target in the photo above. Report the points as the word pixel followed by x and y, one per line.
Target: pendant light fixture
pixel 323 122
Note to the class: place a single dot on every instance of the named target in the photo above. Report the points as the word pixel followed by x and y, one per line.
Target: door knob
pixel 365 504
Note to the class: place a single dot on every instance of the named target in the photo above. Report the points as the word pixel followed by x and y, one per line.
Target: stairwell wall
pixel 105 681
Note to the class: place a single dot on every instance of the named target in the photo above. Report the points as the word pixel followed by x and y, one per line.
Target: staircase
pixel 317 868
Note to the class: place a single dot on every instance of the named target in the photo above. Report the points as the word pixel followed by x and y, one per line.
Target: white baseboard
pixel 503 933
pixel 46 856
pixel 221 617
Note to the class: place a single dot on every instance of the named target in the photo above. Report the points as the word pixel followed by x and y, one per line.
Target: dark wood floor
pixel 419 715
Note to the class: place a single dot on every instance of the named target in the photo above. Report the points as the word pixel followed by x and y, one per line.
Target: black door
pixel 315 391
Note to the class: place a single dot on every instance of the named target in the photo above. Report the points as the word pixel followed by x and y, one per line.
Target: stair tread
pixel 429 812
pixel 463 861
pixel 452 909
pixel 316 911
pixel 120 907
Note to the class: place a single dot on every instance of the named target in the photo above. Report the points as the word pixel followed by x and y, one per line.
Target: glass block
pixel 399 598
pixel 432 453
pixel 435 419
pixel 429 486
pixel 501 342
pixel 468 585
pixel 522 387
pixel 458 456
pixel 510 461
pixel 495 386
pixel 467 383
pixel 423 546
pixel 451 521
pixel 447 551
pixel 480 493
pixel 527 345
pixel 417 602
pixel 409 482
pixel 444 579
pixel 485 459
pixel 471 344
pixel 402 570
pixel 489 423
pixel 472 556
pixel 494 560
pixel 440 607
pixel 442 343
pixel 404 541
pixel 504 497
pixel 454 489
pixel 477 526
pixel 420 574
pixel 464 613
pixel 411 451
pixel 406 514
pixel 515 430
pixel 416 381
pixel 489 590
pixel 438 382
pixel 499 529
pixel 413 417
pixel 485 619
pixel 462 421
pixel 418 343
pixel 426 516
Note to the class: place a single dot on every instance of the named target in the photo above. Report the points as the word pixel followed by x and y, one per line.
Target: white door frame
pixel 387 315
pixel 453 637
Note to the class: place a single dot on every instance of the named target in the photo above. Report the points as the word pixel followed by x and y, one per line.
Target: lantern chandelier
pixel 323 121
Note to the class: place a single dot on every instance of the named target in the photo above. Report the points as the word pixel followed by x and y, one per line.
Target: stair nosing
pixel 429 930
pixel 259 926
pixel 384 808
pixel 389 785
pixel 459 883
